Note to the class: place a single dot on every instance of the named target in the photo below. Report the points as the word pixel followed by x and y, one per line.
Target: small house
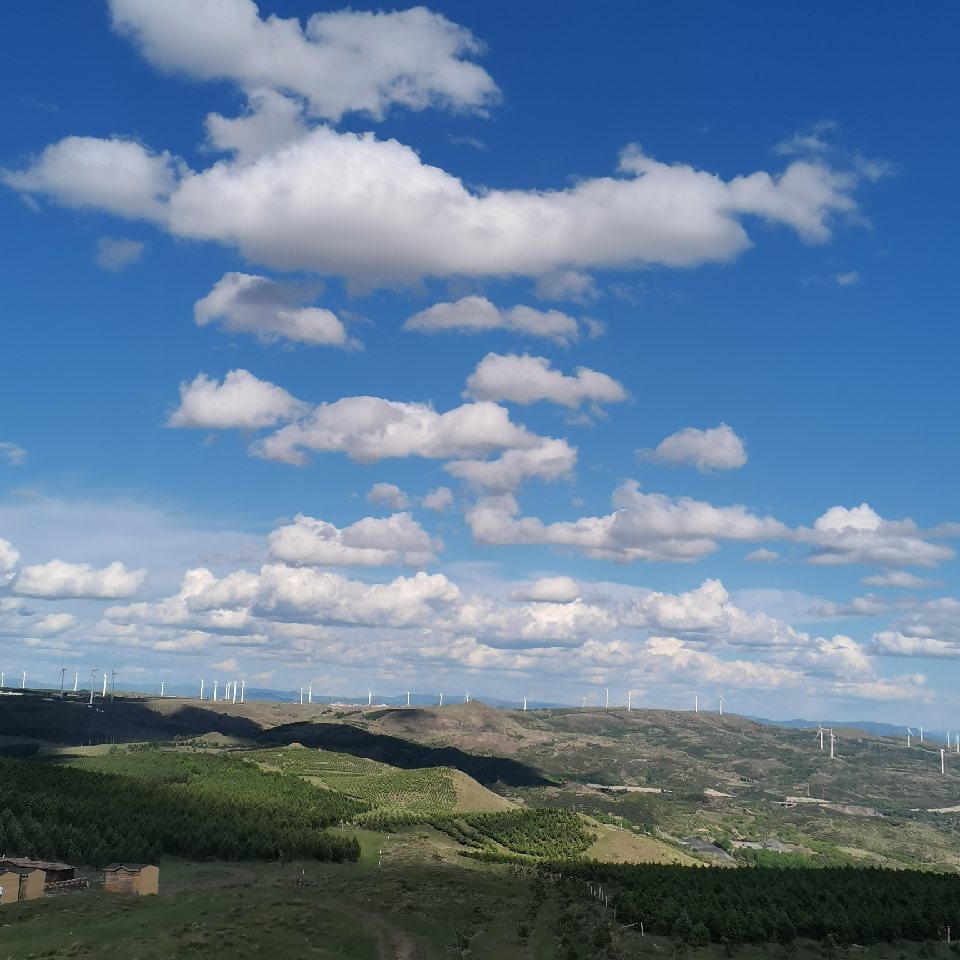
pixel 136 878
pixel 20 883
pixel 53 872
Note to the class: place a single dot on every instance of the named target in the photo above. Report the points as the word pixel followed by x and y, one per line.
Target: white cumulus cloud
pixel 549 460
pixel 371 210
pixel 649 527
pixel 241 402
pixel 59 580
pixel 370 542
pixel 368 429
pixel 861 535
pixel 706 615
pixel 475 314
pixel 439 500
pixel 390 495
pixel 528 379
pixel 718 448
pixel 247 303
pixel 347 60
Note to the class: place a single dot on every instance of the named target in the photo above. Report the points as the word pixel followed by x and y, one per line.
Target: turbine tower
pixel 909 734
pixel 584 699
pixel 23 685
pixel 606 705
pixel 721 706
pixel 161 688
pixel 696 702
pixel 819 734
pixel 113 683
pixel 941 761
pixel 243 683
pixel 76 681
pixel 921 734
pixel 234 691
pixel 103 696
pixel 309 693
pixel 466 698
pixel 201 689
pixel 441 699
pixel 215 682
pixel 301 696
pixel 832 738
pixel 408 698
pixel 63 673
pixel 93 680
pixel 524 703
pixel 629 697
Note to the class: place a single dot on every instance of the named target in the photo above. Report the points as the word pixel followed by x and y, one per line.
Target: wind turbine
pixel 63 673
pixel 941 761
pixel 584 699
pixel 721 706
pixel 369 698
pixel 243 683
pixel 215 691
pixel 103 696
pixel 441 699
pixel 113 683
pixel 832 738
pixel 696 702
pixel 466 698
pixel 309 693
pixel 921 734
pixel 234 691
pixel 909 734
pixel 629 696
pixel 161 688
pixel 524 703
pixel 819 734
pixel 606 706
pixel 23 686
pixel 201 689
pixel 93 678
pixel 76 681
pixel 408 698
pixel 1 678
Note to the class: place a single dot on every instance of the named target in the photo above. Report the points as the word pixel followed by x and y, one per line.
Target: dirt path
pixel 392 942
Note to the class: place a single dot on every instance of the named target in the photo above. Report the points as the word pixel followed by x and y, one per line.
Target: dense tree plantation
pixel 139 806
pixel 852 904
pixel 538 832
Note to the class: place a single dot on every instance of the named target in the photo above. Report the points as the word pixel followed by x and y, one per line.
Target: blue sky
pixel 634 293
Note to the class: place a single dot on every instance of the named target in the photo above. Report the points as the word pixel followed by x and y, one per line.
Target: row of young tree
pixel 214 807
pixel 849 904
pixel 536 832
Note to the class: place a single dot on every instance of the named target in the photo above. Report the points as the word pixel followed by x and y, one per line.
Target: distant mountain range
pixel 868 726
pixel 431 700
